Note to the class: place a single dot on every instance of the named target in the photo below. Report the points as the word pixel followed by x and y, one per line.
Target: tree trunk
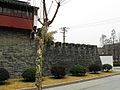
pixel 40 41
pixel 40 45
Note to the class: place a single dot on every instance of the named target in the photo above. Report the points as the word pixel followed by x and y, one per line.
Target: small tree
pixel 107 67
pixel 94 68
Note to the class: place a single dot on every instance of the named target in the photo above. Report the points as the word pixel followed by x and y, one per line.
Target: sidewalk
pixel 116 68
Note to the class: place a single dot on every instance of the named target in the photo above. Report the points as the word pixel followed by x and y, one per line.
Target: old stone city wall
pixel 18 52
pixel 68 55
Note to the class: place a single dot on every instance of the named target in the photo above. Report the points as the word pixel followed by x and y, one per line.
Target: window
pixel 8 11
pixel 30 15
pixel 0 9
pixel 19 13
pixel 12 12
pixel 5 10
pixel 35 12
pixel 27 13
pixel 15 12
pixel 24 13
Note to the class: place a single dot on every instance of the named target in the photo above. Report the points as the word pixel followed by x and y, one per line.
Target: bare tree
pixel 40 37
pixel 114 40
pixel 103 39
pixel 113 35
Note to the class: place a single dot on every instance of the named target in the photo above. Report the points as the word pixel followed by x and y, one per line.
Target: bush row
pixel 77 70
pixel 57 71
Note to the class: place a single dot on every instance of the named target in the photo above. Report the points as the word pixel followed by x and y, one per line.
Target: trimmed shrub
pixel 58 71
pixel 29 74
pixel 94 68
pixel 78 70
pixel 116 63
pixel 4 74
pixel 107 67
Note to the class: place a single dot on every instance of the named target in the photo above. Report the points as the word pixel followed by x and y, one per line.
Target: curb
pixel 69 82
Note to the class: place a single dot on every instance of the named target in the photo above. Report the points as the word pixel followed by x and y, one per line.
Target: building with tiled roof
pixel 17 14
pixel 17 48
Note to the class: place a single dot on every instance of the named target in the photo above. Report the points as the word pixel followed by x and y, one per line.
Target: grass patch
pixel 13 84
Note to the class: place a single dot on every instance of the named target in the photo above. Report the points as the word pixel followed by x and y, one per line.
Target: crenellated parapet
pixel 69 45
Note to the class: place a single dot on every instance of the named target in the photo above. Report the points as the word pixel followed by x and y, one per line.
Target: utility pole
pixel 64 30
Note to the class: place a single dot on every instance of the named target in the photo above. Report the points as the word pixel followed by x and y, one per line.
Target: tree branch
pixel 40 21
pixel 45 11
pixel 54 14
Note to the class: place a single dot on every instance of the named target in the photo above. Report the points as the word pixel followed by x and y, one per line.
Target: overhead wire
pixel 99 23
pixel 50 7
pixel 65 2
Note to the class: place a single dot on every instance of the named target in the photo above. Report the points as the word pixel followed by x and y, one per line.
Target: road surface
pixel 108 83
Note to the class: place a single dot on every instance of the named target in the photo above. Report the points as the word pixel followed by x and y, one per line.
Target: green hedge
pixel 107 67
pixel 78 70
pixel 58 71
pixel 29 74
pixel 94 68
pixel 4 74
pixel 116 63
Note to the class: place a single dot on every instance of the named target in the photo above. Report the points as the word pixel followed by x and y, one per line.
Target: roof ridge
pixel 15 2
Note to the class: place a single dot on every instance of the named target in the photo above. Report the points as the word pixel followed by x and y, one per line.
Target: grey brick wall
pixel 18 52
pixel 68 55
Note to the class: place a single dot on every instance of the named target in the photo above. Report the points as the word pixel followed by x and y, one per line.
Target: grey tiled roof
pixel 17 2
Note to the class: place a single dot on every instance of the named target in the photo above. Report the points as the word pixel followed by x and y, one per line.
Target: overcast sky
pixel 87 20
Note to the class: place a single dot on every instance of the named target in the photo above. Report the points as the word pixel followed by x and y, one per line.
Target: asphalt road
pixel 108 83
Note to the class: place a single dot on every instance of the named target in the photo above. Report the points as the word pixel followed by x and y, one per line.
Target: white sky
pixel 87 20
